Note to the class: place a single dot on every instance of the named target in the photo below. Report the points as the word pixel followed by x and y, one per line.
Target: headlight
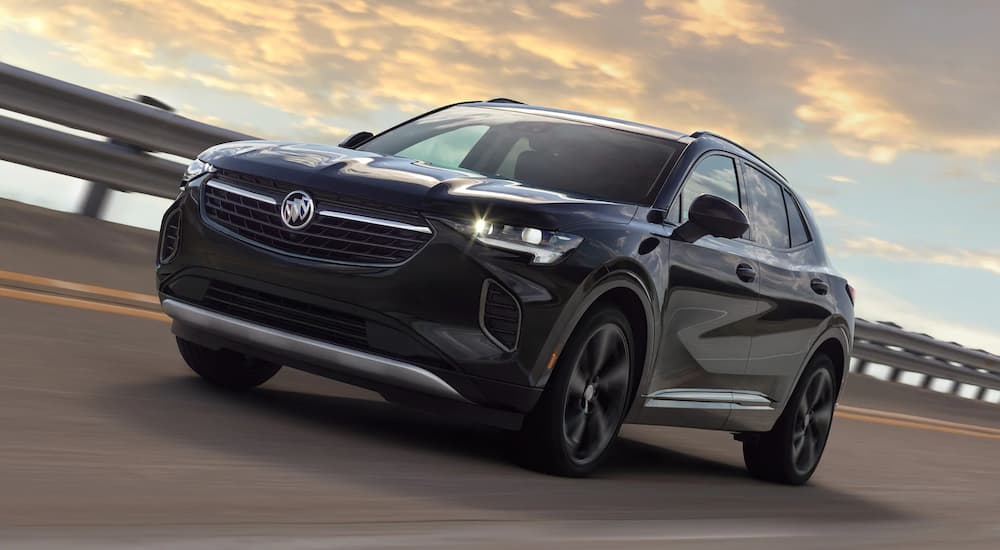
pixel 545 247
pixel 195 169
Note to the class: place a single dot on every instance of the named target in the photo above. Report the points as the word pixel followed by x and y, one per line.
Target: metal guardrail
pixel 122 120
pixel 55 151
pixel 125 122
pixel 901 351
pixel 146 128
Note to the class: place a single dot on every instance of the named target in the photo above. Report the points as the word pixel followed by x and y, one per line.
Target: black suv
pixel 545 271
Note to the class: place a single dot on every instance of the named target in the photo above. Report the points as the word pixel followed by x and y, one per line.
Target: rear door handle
pixel 819 287
pixel 746 273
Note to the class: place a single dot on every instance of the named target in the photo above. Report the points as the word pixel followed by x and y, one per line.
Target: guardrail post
pixel 98 192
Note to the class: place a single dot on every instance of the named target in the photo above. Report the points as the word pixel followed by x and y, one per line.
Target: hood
pixel 411 184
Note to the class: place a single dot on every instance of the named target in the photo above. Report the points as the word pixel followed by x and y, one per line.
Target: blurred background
pixel 883 114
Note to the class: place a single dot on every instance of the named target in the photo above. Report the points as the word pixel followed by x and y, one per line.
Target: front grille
pixel 500 315
pixel 339 232
pixel 170 236
pixel 286 314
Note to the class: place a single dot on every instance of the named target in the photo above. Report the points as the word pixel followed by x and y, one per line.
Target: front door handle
pixel 746 273
pixel 819 287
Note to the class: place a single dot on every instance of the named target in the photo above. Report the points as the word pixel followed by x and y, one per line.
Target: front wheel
pixel 584 403
pixel 226 368
pixel 791 451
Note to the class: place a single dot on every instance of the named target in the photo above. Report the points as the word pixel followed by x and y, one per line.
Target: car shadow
pixel 351 435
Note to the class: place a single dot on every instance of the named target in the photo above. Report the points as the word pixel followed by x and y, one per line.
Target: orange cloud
pixel 822 209
pixel 970 259
pixel 845 100
pixel 715 21
pixel 732 66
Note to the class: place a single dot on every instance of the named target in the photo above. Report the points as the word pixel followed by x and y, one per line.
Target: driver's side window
pixel 714 175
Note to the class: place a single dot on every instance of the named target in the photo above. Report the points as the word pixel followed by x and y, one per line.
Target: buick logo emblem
pixel 297 210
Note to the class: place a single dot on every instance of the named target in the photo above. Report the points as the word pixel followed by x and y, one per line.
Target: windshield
pixel 536 150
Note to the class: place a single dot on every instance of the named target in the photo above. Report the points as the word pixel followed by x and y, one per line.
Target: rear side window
pixel 767 209
pixel 797 229
pixel 714 175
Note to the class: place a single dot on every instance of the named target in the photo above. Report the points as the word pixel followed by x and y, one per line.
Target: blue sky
pixel 882 113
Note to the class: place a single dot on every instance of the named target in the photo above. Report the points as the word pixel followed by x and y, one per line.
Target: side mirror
pixel 711 215
pixel 356 139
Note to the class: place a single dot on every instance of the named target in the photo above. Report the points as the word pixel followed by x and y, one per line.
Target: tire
pixel 792 450
pixel 585 401
pixel 226 369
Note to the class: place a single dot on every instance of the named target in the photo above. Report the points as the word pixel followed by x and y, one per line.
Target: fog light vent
pixel 500 315
pixel 170 236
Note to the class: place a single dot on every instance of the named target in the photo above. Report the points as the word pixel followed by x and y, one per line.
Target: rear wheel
pixel 791 451
pixel 225 368
pixel 584 403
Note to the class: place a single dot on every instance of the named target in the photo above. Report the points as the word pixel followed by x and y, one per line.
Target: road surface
pixel 108 441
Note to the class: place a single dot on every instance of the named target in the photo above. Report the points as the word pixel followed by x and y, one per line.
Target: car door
pixel 711 296
pixel 795 294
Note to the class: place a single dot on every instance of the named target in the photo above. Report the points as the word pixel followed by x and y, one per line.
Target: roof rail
pixel 706 133
pixel 504 100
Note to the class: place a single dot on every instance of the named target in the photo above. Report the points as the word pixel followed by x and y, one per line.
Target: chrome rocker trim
pixel 685 398
pixel 354 362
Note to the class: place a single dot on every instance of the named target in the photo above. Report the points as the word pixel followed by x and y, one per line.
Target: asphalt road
pixel 108 441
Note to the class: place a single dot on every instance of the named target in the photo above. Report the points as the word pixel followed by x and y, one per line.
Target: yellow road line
pixel 917 425
pixel 916 419
pixel 78 287
pixel 82 303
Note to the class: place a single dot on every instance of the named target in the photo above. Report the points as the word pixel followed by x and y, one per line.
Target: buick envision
pixel 546 271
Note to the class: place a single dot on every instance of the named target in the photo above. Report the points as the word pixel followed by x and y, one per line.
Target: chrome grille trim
pixel 376 221
pixel 340 233
pixel 241 192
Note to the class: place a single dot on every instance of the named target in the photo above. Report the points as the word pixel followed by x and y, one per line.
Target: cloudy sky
pixel 884 114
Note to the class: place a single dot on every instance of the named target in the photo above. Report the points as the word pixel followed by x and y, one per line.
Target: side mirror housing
pixel 711 215
pixel 355 139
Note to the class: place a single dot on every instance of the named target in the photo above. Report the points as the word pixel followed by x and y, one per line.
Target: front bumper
pixel 350 362
pixel 423 318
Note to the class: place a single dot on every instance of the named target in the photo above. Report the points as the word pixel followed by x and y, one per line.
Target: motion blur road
pixel 107 440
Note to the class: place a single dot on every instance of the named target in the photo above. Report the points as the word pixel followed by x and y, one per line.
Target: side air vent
pixel 500 315
pixel 170 237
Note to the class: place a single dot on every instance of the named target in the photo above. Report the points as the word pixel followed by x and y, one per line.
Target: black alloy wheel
pixel 790 452
pixel 586 399
pixel 598 388
pixel 226 368
pixel 813 418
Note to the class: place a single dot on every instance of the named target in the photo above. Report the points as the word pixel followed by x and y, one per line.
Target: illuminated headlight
pixel 545 247
pixel 195 169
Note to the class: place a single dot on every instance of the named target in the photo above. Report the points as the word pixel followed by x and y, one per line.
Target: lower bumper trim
pixel 354 362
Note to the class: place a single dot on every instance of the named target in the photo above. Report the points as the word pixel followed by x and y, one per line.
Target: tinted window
pixel 796 223
pixel 536 149
pixel 447 149
pixel 714 175
pixel 767 213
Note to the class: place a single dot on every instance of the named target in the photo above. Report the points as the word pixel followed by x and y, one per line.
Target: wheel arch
pixel 628 290
pixel 834 342
pixel 836 351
